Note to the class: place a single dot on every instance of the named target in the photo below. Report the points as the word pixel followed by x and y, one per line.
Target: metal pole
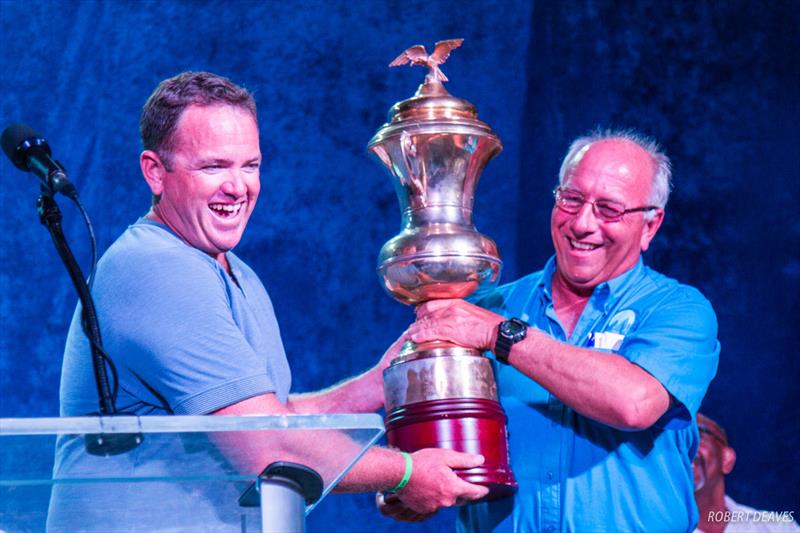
pixel 283 506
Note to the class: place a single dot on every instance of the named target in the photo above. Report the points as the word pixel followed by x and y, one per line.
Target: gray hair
pixel 163 109
pixel 662 178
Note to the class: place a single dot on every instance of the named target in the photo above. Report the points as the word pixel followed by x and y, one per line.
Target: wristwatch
pixel 509 333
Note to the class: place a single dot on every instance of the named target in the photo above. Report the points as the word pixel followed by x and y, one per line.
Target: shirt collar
pixel 546 280
pixel 232 259
pixel 617 286
pixel 605 292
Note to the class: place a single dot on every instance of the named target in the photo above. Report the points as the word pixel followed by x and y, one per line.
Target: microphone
pixel 29 152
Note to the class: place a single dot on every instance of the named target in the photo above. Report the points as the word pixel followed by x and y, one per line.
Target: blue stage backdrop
pixel 715 82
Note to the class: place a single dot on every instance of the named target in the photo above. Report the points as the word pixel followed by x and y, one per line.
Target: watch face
pixel 511 328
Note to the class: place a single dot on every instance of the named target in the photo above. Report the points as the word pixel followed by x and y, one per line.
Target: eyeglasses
pixel 570 201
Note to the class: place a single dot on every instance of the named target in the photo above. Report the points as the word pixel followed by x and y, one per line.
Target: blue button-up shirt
pixel 576 474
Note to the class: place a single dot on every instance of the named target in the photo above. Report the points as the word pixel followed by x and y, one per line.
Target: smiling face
pixel 590 251
pixel 210 187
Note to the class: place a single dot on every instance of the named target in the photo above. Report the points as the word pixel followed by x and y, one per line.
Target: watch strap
pixel 504 342
pixel 502 349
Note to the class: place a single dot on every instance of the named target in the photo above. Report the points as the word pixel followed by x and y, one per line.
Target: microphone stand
pixel 102 443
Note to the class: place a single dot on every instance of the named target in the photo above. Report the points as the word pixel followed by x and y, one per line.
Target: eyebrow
pixel 222 161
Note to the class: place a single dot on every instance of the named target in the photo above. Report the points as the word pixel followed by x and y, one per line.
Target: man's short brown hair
pixel 163 109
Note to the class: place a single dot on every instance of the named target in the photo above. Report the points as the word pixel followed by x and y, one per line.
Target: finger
pixel 410 516
pixel 398 344
pixel 387 507
pixel 428 334
pixel 398 510
pixel 398 515
pixel 392 507
pixel 390 498
pixel 434 305
pixel 415 328
pixel 389 502
pixel 455 459
pixel 407 515
pixel 470 491
pixel 419 331
pixel 424 331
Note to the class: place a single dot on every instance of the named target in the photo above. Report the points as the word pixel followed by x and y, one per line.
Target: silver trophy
pixel 440 394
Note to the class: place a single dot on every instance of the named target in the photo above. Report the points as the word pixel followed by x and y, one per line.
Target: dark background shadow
pixel 715 82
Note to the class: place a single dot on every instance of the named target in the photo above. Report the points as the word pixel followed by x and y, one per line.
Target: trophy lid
pixel 432 101
pixel 432 108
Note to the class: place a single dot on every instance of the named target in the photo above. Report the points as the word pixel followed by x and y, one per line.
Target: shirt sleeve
pixel 169 321
pixel 677 344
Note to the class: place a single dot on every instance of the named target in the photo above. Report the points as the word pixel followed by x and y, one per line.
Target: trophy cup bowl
pixel 437 261
pixel 438 394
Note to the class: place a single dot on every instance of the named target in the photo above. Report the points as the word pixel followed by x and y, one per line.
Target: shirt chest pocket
pixel 609 337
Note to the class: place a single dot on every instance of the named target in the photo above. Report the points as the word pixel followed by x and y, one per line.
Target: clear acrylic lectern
pixel 189 473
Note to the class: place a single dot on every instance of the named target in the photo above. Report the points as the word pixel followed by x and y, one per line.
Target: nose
pixel 585 221
pixel 234 184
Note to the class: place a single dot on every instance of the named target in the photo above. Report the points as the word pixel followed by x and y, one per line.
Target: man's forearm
pixel 378 470
pixel 603 386
pixel 359 394
pixel 431 482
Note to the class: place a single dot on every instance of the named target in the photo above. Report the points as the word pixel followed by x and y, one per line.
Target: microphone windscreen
pixel 13 139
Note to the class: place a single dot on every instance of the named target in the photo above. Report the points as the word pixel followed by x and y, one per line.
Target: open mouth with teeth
pixel 226 210
pixel 584 246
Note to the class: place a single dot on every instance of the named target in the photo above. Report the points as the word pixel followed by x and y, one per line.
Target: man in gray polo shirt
pixel 191 329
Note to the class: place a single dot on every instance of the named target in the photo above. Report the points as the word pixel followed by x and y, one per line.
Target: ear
pixel 651 228
pixel 728 460
pixel 153 170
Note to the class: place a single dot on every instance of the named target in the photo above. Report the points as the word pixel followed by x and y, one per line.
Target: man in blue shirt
pixel 603 361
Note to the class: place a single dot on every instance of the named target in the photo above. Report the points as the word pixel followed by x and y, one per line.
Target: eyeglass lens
pixel 572 201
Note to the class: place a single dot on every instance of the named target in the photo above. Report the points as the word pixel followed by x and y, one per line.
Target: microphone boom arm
pixel 50 217
pixel 29 152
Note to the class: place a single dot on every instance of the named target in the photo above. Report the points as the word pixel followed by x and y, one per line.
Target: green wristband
pixel 406 475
